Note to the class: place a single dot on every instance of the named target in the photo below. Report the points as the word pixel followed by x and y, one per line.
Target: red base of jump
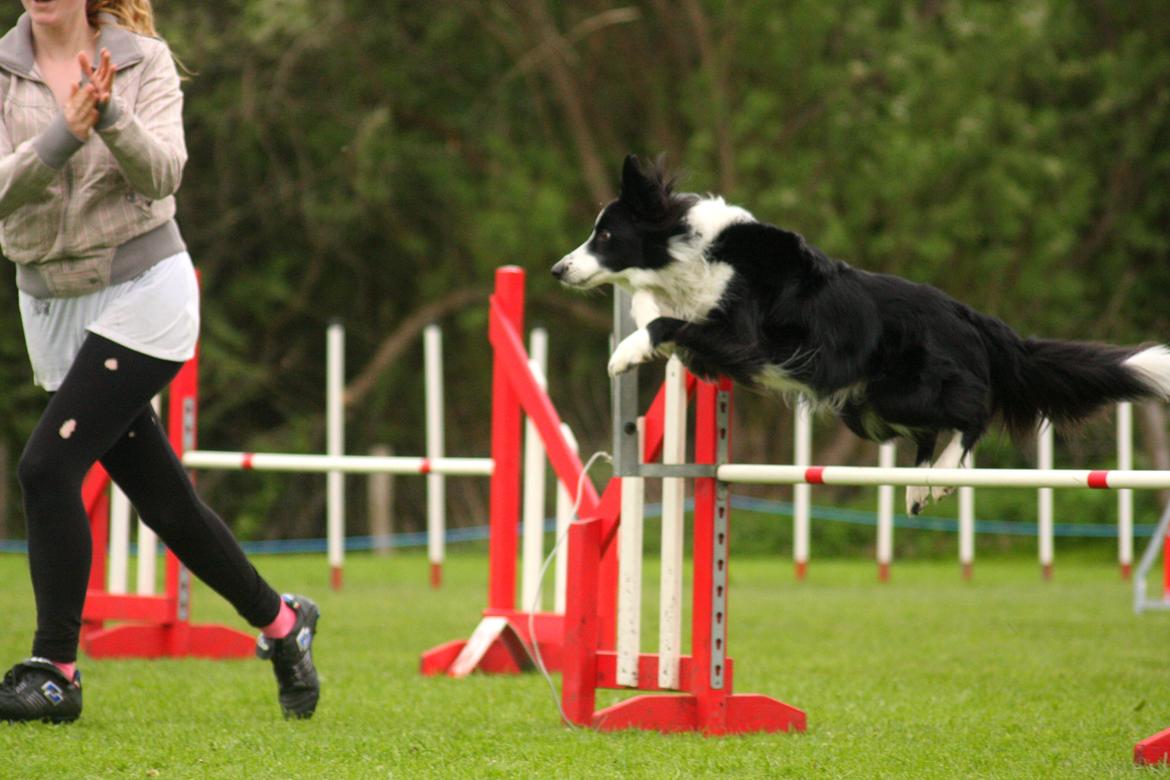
pixel 968 571
pixel 739 713
pixel 176 640
pixel 335 577
pixel 883 572
pixel 436 575
pixel 1126 572
pixel 1046 571
pixel 801 570
pixel 1153 750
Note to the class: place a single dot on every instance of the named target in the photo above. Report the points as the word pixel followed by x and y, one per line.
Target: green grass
pixel 925 677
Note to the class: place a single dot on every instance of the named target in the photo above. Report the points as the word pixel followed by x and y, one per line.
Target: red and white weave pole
pixel 335 446
pixel 436 482
pixel 1044 498
pixel 967 527
pixel 767 474
pixel 801 495
pixel 887 454
pixel 1125 496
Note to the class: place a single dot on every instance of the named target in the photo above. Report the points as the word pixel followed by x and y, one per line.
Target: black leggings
pixel 102 412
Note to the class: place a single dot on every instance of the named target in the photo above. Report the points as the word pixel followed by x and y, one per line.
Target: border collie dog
pixel 737 297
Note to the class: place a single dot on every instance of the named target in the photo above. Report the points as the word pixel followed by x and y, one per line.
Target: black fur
pixel 894 357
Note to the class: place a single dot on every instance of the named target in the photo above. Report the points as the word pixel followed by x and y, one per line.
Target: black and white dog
pixel 736 297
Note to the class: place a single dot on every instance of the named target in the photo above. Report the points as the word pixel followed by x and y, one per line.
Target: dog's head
pixel 632 233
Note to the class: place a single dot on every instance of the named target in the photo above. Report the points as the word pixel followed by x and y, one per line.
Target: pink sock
pixel 66 669
pixel 285 620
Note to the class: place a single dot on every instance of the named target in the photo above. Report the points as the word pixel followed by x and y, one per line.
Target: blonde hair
pixel 136 15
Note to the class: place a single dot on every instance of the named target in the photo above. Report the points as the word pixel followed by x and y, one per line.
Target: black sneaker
pixel 292 660
pixel 37 690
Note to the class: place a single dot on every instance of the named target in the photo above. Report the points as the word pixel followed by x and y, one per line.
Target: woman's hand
pixel 102 79
pixel 81 112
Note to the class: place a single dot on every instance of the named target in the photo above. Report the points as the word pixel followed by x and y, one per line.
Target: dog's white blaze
pixel 1153 365
pixel 583 267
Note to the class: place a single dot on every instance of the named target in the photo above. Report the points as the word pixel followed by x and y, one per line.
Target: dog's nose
pixel 559 269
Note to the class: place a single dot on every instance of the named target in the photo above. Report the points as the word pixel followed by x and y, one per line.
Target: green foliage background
pixel 376 159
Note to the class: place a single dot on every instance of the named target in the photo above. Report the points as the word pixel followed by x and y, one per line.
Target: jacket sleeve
pixel 27 169
pixel 146 139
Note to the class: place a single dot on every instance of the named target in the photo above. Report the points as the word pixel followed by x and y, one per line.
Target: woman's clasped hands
pixel 88 97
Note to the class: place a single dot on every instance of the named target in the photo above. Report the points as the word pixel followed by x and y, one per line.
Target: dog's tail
pixel 1066 381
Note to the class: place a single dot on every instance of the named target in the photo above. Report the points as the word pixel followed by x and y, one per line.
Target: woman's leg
pixel 145 467
pixel 102 411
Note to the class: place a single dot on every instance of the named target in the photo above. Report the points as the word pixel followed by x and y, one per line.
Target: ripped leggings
pixel 102 412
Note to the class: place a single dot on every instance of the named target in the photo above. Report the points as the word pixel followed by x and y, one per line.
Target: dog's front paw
pixel 634 350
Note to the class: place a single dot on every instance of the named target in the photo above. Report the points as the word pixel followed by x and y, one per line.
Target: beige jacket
pixel 77 217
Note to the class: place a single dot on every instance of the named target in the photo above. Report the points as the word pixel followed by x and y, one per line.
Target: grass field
pixel 924 677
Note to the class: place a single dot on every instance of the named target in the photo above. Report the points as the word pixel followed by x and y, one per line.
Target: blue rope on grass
pixel 763 506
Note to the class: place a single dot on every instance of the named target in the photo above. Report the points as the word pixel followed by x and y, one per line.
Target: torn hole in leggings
pixel 67 428
pixel 112 364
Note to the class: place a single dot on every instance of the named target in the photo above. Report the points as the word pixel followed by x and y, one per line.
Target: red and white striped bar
pixel 761 474
pixel 349 464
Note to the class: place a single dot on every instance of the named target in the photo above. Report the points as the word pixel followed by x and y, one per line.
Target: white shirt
pixel 155 313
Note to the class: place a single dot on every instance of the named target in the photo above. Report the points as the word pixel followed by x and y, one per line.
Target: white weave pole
pixel 629 609
pixel 118 564
pixel 674 446
pixel 1044 463
pixel 532 555
pixel 801 494
pixel 1125 495
pixel 887 458
pixel 147 543
pixel 565 501
pixel 335 445
pixel 967 525
pixel 436 483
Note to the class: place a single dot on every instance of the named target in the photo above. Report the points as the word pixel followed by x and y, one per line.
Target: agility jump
pixel 588 643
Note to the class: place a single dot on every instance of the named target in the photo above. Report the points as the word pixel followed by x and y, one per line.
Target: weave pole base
pixel 500 644
pixel 1153 750
pixel 740 713
pixel 168 641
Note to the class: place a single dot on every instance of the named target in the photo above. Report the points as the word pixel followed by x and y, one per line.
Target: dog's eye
pixel 603 235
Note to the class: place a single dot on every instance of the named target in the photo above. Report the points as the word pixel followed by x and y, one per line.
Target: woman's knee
pixel 41 470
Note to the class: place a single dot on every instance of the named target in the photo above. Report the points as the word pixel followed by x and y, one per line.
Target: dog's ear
pixel 642 193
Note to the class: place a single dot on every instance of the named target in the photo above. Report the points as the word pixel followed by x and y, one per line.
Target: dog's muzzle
pixel 559 270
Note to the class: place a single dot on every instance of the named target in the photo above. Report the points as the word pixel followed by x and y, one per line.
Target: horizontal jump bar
pixel 871 475
pixel 352 464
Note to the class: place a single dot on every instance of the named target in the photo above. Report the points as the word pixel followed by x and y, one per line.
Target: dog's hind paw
pixel 917 497
pixel 634 350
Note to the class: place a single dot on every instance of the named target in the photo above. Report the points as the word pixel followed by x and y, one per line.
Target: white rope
pixel 573 520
